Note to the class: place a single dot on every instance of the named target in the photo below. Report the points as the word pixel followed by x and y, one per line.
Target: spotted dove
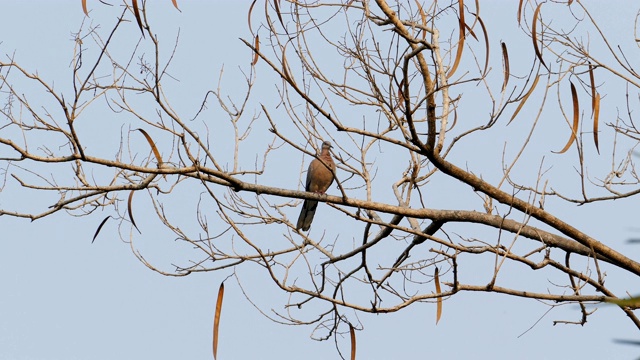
pixel 319 178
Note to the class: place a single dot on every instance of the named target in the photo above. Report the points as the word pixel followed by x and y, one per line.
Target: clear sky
pixel 62 297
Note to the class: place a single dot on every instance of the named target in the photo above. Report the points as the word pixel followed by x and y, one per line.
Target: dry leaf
pixel 592 82
pixel 471 32
pixel 84 7
pixel 455 118
pixel 524 99
pixel 576 119
pixel 477 15
pixel 99 228
pixel 352 332
pixel 462 26
pixel 216 319
pixel 595 105
pixel 136 12
pixel 534 35
pixel 129 210
pixel 519 12
pixel 486 44
pixel 249 16
pixel 285 65
pixel 175 3
pixel 153 146
pixel 596 115
pixel 255 52
pixel 505 64
pixel 436 279
pixel 276 4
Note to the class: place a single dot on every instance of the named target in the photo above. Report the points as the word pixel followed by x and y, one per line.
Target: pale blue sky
pixel 62 297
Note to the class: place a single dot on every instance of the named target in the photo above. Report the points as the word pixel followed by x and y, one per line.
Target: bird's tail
pixel 306 214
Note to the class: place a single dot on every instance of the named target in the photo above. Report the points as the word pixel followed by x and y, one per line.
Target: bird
pixel 319 177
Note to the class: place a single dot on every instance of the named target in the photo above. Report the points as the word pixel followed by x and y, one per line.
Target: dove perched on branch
pixel 319 178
